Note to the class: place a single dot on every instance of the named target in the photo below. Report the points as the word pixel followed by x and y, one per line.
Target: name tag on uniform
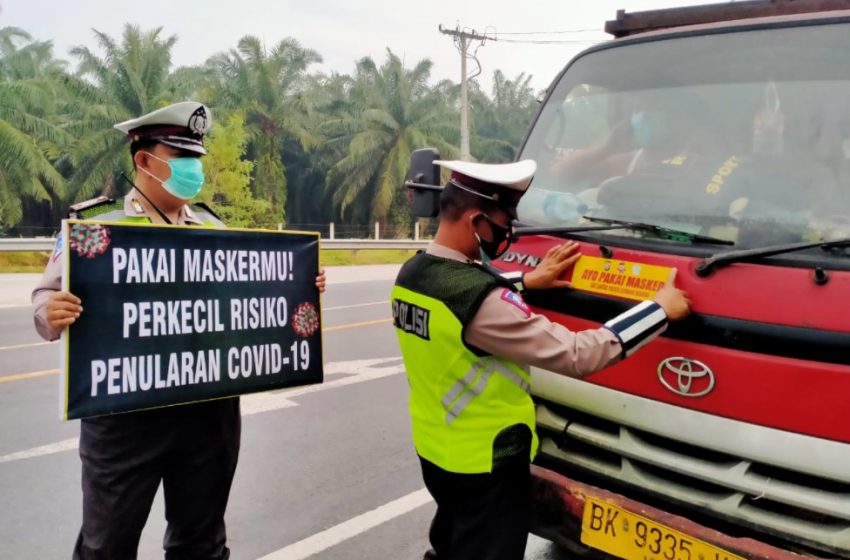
pixel 411 319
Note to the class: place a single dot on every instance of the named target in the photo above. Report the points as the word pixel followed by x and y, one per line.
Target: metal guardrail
pixel 361 244
pixel 46 244
pixel 35 244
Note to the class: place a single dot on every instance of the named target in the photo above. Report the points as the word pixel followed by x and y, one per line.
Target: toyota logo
pixel 686 377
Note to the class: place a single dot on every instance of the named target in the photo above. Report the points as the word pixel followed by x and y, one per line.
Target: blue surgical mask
pixel 648 128
pixel 187 176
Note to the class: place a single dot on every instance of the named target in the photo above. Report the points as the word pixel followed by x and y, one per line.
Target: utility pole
pixel 463 40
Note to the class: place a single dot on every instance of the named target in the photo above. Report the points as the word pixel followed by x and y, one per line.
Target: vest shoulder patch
pixel 516 300
pixel 93 207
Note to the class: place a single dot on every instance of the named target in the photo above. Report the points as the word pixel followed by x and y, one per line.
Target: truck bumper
pixel 559 504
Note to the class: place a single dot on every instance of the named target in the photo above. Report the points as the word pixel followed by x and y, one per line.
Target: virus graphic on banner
pixel 89 241
pixel 305 320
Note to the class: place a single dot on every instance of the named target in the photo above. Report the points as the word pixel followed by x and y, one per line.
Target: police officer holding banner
pixel 192 449
pixel 467 338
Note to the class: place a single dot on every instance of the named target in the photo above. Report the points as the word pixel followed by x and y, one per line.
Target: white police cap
pixel 516 176
pixel 502 183
pixel 181 125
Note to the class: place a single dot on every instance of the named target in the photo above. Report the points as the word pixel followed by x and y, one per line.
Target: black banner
pixel 173 315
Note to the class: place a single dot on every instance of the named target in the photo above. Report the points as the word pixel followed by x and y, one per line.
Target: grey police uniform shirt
pixel 51 281
pixel 504 326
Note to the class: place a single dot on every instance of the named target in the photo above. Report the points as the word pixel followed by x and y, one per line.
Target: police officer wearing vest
pixel 467 338
pixel 192 449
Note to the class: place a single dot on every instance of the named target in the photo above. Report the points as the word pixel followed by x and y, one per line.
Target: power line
pixel 548 42
pixel 561 32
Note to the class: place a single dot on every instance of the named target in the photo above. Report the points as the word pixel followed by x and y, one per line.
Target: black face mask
pixel 502 238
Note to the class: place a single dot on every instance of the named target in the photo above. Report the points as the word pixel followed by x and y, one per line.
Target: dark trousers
pixel 192 449
pixel 480 516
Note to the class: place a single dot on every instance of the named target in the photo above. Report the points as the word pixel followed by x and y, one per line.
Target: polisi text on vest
pixel 411 318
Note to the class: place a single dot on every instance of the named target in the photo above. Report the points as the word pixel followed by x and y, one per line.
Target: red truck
pixel 714 139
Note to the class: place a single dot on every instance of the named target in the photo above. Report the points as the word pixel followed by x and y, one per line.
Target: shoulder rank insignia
pixel 87 209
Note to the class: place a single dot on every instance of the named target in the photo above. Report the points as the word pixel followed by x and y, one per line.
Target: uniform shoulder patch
pixel 58 248
pixel 93 207
pixel 516 300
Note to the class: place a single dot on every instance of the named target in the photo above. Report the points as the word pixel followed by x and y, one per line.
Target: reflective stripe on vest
pixel 119 216
pixel 473 384
pixel 207 218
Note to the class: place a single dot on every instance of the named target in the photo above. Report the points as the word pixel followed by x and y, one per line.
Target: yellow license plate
pixel 624 534
pixel 623 279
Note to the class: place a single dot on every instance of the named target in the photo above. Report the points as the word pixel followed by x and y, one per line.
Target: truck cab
pixel 714 140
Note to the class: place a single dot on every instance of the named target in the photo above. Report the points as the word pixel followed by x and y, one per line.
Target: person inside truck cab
pixel 792 178
pixel 663 146
pixel 467 338
pixel 652 129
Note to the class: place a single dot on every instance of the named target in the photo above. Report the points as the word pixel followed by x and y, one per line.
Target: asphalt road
pixel 326 472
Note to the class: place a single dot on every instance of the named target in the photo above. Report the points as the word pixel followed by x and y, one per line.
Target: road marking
pixel 351 528
pixel 21 376
pixel 358 371
pixel 30 375
pixel 326 329
pixel 28 345
pixel 541 549
pixel 49 449
pixel 356 305
pixel 353 325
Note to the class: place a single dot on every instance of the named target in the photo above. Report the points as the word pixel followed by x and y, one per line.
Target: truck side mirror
pixel 423 180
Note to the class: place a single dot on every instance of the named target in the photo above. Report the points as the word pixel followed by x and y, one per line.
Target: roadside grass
pixel 23 261
pixel 32 261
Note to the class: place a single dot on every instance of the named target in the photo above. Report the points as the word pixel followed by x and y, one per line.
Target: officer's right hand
pixel 674 301
pixel 62 308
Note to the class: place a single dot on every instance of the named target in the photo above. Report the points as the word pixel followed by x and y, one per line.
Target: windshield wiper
pixel 661 231
pixel 722 259
pixel 522 230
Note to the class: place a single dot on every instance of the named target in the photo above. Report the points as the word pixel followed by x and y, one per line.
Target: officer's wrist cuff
pixel 515 278
pixel 637 326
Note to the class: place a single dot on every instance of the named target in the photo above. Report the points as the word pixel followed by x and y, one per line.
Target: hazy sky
pixel 340 30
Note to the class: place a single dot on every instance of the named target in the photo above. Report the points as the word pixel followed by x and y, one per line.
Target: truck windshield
pixel 742 136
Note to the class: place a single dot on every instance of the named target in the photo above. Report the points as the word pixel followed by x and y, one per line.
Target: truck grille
pixel 793 506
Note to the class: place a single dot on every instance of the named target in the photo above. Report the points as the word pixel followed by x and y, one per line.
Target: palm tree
pixel 268 87
pixel 306 169
pixel 129 80
pixel 28 140
pixel 501 123
pixel 391 111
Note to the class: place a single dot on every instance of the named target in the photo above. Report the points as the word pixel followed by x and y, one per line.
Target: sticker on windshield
pixel 629 280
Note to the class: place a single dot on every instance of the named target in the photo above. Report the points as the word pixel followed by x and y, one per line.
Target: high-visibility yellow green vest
pixel 113 211
pixel 460 397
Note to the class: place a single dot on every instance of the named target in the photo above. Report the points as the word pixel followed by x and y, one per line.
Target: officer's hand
pixel 557 260
pixel 674 301
pixel 321 280
pixel 62 309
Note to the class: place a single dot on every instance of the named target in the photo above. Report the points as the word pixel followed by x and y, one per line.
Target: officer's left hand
pixel 557 260
pixel 321 280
